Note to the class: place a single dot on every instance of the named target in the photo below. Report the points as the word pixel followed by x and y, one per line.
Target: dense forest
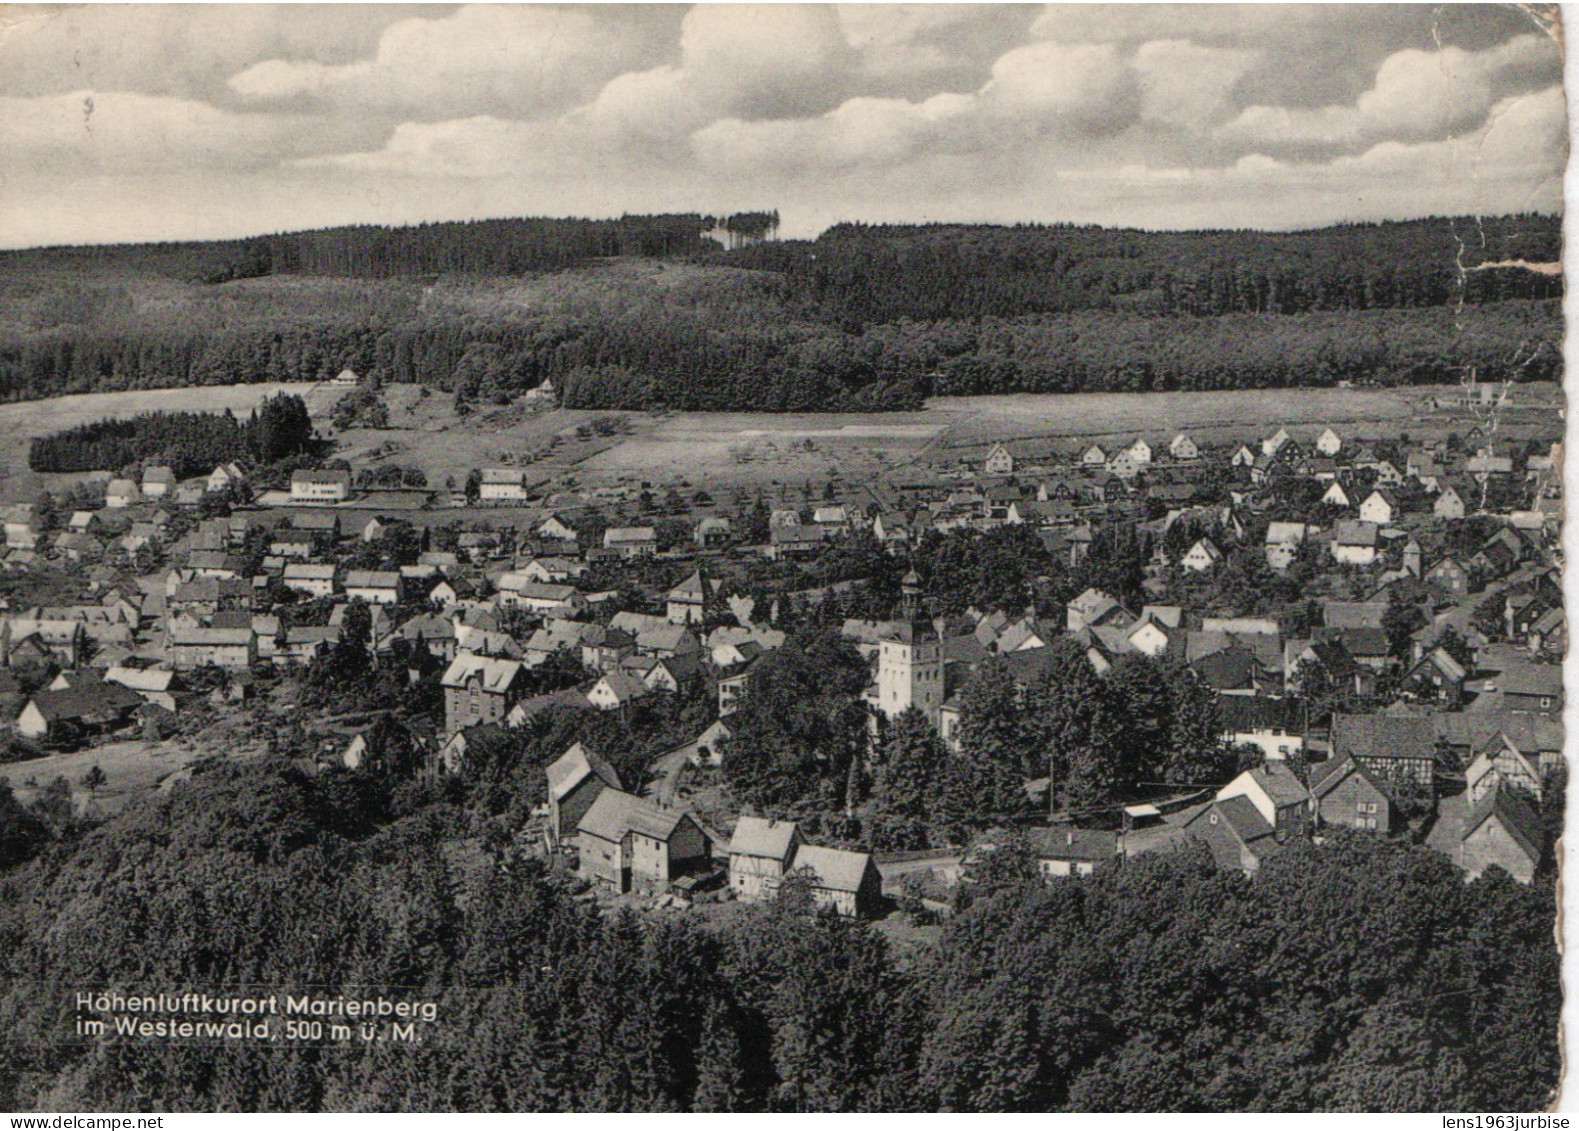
pixel 1360 974
pixel 189 443
pixel 863 318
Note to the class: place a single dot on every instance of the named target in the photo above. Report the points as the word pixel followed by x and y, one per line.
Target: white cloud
pixel 510 59
pixel 1186 85
pixel 1417 96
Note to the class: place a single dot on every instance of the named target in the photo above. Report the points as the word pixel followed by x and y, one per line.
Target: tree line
pixel 860 320
pixel 865 273
pixel 189 443
pixel 1360 974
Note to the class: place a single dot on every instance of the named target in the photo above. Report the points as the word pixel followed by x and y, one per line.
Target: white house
pixel 376 587
pixel 1182 447
pixel 1275 442
pixel 1094 456
pixel 999 461
pixel 158 482
pixel 1379 507
pixel 1354 543
pixel 1202 556
pixel 502 485
pixel 314 580
pixel 1139 451
pixel 1335 495
pixel 1329 443
pixel 320 486
pixel 1283 540
pixel 121 493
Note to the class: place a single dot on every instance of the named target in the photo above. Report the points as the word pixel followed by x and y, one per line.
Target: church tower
pixel 910 660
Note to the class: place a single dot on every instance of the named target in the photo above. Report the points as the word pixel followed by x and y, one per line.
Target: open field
pixel 131 769
pixel 738 449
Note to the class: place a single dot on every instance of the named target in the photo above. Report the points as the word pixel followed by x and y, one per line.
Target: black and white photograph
pixel 782 558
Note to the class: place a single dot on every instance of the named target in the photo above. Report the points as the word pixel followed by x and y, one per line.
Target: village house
pixel 310 578
pixel 36 641
pixel 848 882
pixel 1501 764
pixel 691 601
pixel 575 779
pixel 158 482
pixel 616 690
pixel 1391 748
pixel 1450 576
pixel 1344 795
pixel 712 533
pixel 1181 447
pixel 480 689
pixel 212 647
pixel 1354 543
pixel 1277 794
pixel 1283 540
pixel 793 541
pixel 540 597
pixel 501 485
pixel 1329 443
pixel 1379 507
pixel 1093 456
pixel 1064 850
pixel 121 493
pixel 320 486
pixel 376 587
pixel 1335 495
pixel 94 707
pixel 761 853
pixel 1202 556
pixel 999 461
pixel 631 541
pixel 630 844
pixel 224 476
pixel 1273 725
pixel 1501 829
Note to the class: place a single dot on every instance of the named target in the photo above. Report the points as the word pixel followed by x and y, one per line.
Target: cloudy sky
pixel 130 122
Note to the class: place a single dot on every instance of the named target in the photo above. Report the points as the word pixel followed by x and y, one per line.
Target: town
pixel 1078 652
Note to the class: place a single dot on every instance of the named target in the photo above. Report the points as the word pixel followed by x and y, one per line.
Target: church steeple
pixel 910 595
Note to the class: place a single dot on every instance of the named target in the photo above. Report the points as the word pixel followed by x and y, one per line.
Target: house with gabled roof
pixel 1065 850
pixel 1500 763
pixel 1380 507
pixel 1277 794
pixel 1182 447
pixel 1504 830
pixel 1202 556
pixel 761 854
pixel 628 843
pixel 1345 795
pixel 848 882
pixel 1354 543
pixel 575 779
pixel 617 689
pixel 1329 443
pixel 1391 748
pixel 480 689
pixel 158 482
pixel 999 461
pixel 1235 833
pixel 1335 495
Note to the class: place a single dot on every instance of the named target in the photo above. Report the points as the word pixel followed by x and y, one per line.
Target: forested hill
pixel 650 311
pixel 476 247
pixel 871 273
